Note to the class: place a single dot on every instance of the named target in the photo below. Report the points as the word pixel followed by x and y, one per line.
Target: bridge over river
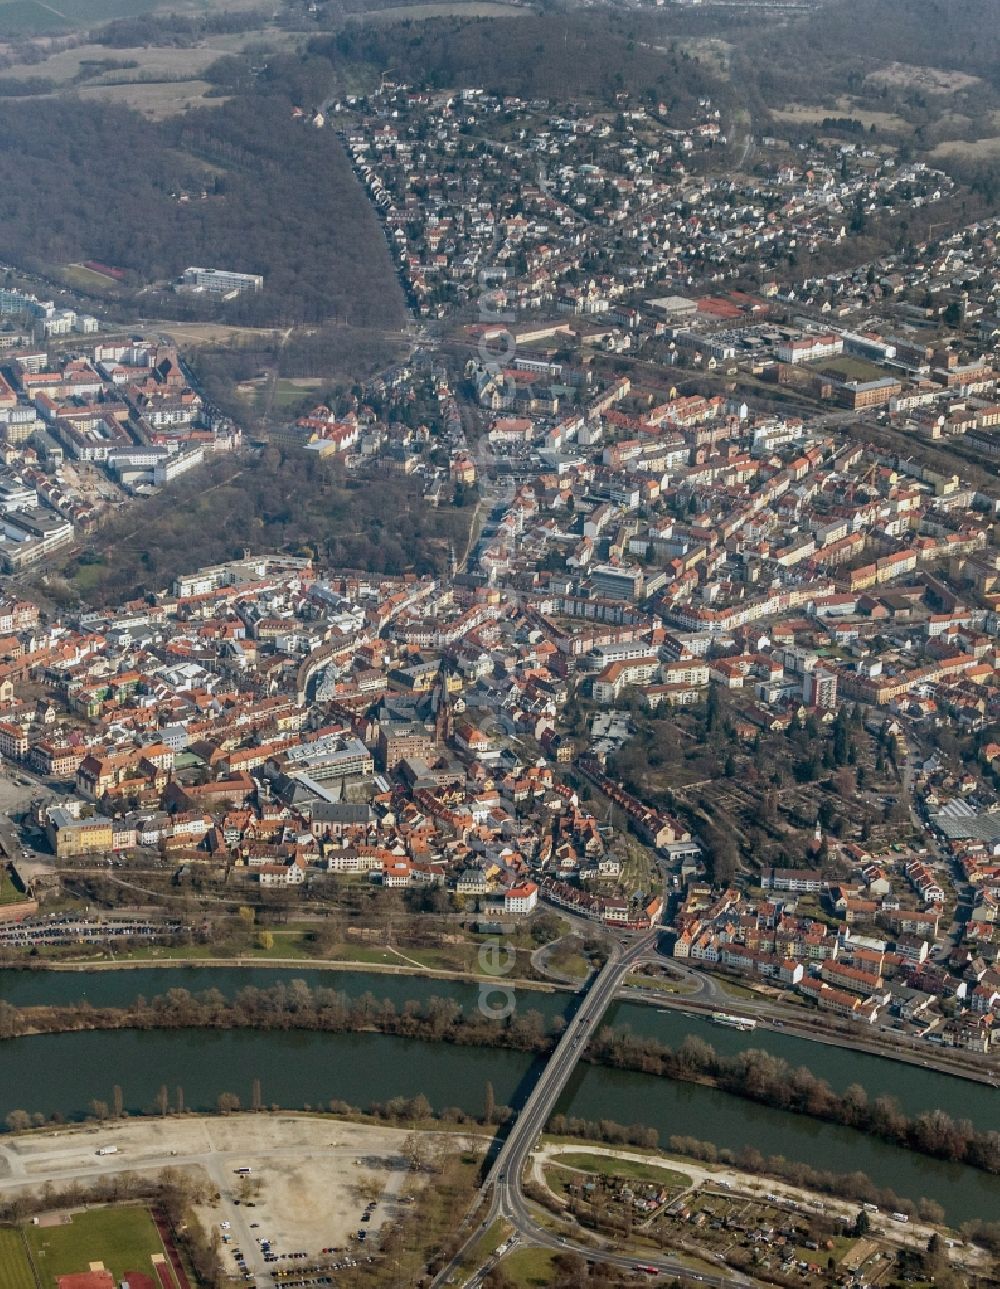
pixel 504 1183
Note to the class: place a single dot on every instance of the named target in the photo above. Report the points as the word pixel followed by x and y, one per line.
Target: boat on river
pixel 733 1022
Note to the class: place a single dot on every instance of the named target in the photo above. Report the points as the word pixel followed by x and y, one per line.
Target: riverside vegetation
pixel 753 1074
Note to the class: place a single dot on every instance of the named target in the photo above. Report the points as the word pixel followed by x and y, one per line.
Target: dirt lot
pixel 306 1198
pixel 310 1178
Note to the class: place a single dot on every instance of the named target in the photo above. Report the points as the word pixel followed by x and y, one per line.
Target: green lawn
pixel 530 1267
pixel 573 964
pixel 87 576
pixel 660 983
pixel 15 1269
pixel 849 368
pixel 609 1166
pixel 733 989
pixel 449 957
pixel 87 279
pixel 122 1238
pixel 9 894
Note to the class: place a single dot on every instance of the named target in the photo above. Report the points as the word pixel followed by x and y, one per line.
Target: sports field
pixel 123 1239
pixel 15 1269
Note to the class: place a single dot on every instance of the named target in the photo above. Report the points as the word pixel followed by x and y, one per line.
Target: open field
pixel 977 149
pixel 447 9
pixel 932 80
pixel 636 1169
pixel 311 1178
pixel 75 275
pixel 714 51
pixel 289 392
pixel 15 1269
pixel 848 368
pixel 124 1239
pixel 84 62
pixel 88 62
pixel 809 114
pixel 157 99
pixel 9 894
pixel 39 18
pixel 33 17
pixel 530 1267
pixel 209 333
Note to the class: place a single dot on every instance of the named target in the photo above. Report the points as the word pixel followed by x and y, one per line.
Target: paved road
pixel 504 1182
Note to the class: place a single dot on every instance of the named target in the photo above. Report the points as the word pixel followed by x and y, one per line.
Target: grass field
pixel 976 149
pixel 156 100
pixel 446 9
pixel 735 990
pixel 30 17
pixel 86 279
pixel 15 1269
pixel 9 894
pixel 849 368
pixel 290 393
pixel 122 1238
pixel 808 114
pixel 609 1166
pixel 530 1267
pixel 39 17
pixel 85 61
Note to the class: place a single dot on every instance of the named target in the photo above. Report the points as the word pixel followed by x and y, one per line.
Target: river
pixel 65 1072
pixel 915 1088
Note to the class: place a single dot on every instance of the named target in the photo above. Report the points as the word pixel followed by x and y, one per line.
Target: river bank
pixel 407 970
pixel 957 1065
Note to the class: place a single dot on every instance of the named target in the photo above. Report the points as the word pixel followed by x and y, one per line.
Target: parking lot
pixel 298 1215
pixel 310 1183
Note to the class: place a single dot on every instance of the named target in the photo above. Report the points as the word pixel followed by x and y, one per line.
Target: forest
pixel 280 500
pixel 267 195
pixel 590 54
